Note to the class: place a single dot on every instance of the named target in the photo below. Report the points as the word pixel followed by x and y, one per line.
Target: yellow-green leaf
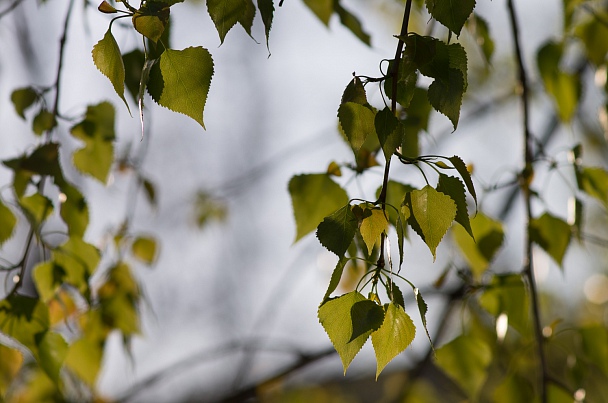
pixel 452 14
pixel 335 317
pixel 52 349
pixel 478 253
pixel 10 364
pixel 357 122
pixel 37 208
pixel 394 336
pixel 552 234
pixel 314 196
pixel 84 358
pixel 23 319
pixel 181 79
pixel 372 226
pixel 44 121
pixel 323 9
pixel 97 132
pixel 144 248
pixel 107 58
pixel 22 99
pixel 7 223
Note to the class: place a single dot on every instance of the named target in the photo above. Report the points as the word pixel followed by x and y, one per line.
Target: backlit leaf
pixel 247 16
pixel 23 319
pixel 335 278
pixel 266 8
pixel 352 23
pixel 552 234
pixel 514 389
pixel 323 9
pixel 394 336
pixel 79 260
pixel 507 294
pixel 144 248
pixel 43 122
pixel 106 8
pixel 337 230
pixel 225 14
pixel 151 20
pixel 464 174
pixel 594 181
pixel 23 99
pixel 48 276
pixel 592 32
pixel 335 317
pixel 180 81
pixel 452 14
pixel 480 30
pixel 74 210
pixel 434 213
pixel 454 188
pixel 594 343
pixel 314 197
pixel 372 227
pixel 107 58
pixel 7 223
pixel 564 88
pixel 489 237
pixel 354 92
pixel 386 124
pixel 366 316
pixel 97 133
pixel 84 358
pixel 37 208
pixel 446 96
pixel 10 364
pixel 357 121
pixel 466 359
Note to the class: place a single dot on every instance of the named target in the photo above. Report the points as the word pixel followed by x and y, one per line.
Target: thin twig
pixel 527 175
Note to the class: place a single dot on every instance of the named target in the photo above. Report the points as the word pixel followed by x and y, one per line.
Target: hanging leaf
pixel 480 30
pixel 489 237
pixel 337 230
pixel 372 227
pixel 552 234
pixel 52 349
pixel 465 175
pixel 48 277
pixel 357 121
pixel 352 23
pixel 434 213
pixel 507 294
pixel 74 210
pixel 323 9
pixel 594 182
pixel 450 13
pixel 37 208
pixel 152 19
pixel 23 99
pixel 314 197
pixel 97 132
pixel 180 81
pixel 145 249
pixel 84 358
pixel 225 14
pixel 394 336
pixel 454 188
pixel 335 278
pixel 335 317
pixel 266 8
pixel 107 58
pixel 43 122
pixel 591 33
pixel 406 82
pixel 466 359
pixel 386 125
pixel 79 261
pixel 23 319
pixel 247 16
pixel 134 63
pixel 7 223
pixel 354 92
pixel 564 88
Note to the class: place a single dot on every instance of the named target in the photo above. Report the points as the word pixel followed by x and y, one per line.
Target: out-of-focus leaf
pixel 181 79
pixel 314 197
pixel 352 23
pixel 466 359
pixel 144 249
pixel 24 319
pixel 552 234
pixel 394 336
pixel 507 294
pixel 37 208
pixel 323 9
pixel 7 223
pixel 43 122
pixel 52 349
pixel 23 99
pixel 594 182
pixel 97 133
pixel 489 236
pixel 480 30
pixel 592 33
pixel 84 358
pixel 10 364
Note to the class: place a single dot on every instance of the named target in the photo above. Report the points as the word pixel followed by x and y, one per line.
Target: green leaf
pixel 489 236
pixel 552 234
pixel 134 64
pixel 37 208
pixel 394 293
pixel 452 14
pixel 106 8
pixel 48 276
pixel 480 30
pixel 151 20
pixel 357 121
pixel 118 300
pixel 592 33
pixel 335 278
pixel 434 213
pixel 23 319
pixel 84 358
pixel 247 16
pixel 11 361
pixel 466 360
pixel 394 336
pixel 446 96
pixel 395 194
pixel 43 122
pixel 507 294
pixel 354 92
pixel 79 260
pixel 107 58
pixel 352 23
pixel 52 349
pixel 386 124
pixel 464 174
pixel 372 227
pixel 266 8
pixel 337 230
pixel 454 188
pixel 594 182
pixel 514 389
pixel 323 9
pixel 314 196
pixel 144 248
pixel 367 316
pixel 97 132
pixel 74 210
pixel 180 81
pixel 23 99
pixel 416 120
pixel 406 82
pixel 594 344
pixel 422 309
pixel 7 223
pixel 335 317
pixel 564 88
pixel 225 14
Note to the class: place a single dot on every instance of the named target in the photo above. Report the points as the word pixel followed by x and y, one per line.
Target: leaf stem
pixel 526 179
